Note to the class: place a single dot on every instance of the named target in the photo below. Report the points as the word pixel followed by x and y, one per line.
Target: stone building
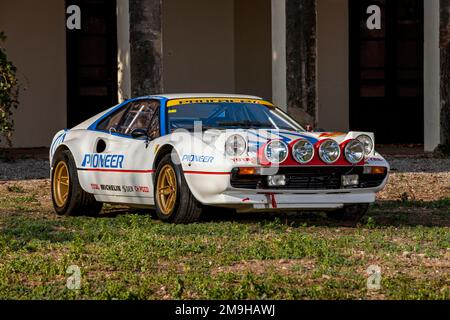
pixel 318 59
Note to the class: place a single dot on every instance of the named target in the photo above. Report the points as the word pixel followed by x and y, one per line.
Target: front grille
pixel 313 182
pixel 309 178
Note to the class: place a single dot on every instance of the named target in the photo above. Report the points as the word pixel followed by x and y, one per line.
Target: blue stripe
pixel 310 139
pixel 58 141
pixel 284 136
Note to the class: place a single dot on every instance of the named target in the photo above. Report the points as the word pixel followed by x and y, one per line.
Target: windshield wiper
pixel 245 124
pixel 192 128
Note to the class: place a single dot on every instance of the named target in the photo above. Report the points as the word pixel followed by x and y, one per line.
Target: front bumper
pixel 250 196
pixel 272 201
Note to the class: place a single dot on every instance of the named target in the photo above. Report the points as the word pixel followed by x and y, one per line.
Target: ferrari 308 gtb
pixel 179 154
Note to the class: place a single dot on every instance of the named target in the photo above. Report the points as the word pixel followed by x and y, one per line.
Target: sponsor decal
pixel 125 189
pixel 196 158
pixel 103 161
pixel 244 159
pixel 331 135
pixel 142 189
pixel 178 102
pixel 110 188
pixel 135 189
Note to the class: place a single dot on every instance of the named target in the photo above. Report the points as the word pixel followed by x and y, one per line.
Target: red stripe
pixel 208 173
pixel 118 171
pixel 153 171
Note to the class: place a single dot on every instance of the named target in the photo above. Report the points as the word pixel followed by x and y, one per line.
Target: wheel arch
pixel 60 149
pixel 162 152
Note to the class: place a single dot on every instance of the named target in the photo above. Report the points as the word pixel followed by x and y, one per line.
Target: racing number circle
pixel 61 183
pixel 167 189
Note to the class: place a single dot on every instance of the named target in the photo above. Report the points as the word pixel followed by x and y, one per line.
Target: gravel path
pixel 39 169
pixel 24 170
pixel 419 165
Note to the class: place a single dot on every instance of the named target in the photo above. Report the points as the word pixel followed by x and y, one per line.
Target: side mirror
pixel 310 128
pixel 139 133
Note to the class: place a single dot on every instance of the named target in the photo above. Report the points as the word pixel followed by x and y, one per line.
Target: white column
pixel 123 50
pixel 431 75
pixel 279 92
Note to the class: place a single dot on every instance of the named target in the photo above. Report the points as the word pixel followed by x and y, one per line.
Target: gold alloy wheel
pixel 61 182
pixel 166 189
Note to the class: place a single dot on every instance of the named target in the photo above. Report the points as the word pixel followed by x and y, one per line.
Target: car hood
pixel 263 136
pixel 257 139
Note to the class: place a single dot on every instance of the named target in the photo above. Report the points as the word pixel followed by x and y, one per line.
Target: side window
pixel 153 130
pixel 141 115
pixel 112 121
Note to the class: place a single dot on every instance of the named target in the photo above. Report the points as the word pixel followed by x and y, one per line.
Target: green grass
pixel 127 255
pixel 16 189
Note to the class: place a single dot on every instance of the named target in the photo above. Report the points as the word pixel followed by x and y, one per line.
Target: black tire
pixel 79 202
pixel 186 209
pixel 350 213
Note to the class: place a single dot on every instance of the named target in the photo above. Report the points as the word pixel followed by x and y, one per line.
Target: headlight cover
pixel 367 142
pixel 276 151
pixel 354 151
pixel 235 146
pixel 329 151
pixel 303 151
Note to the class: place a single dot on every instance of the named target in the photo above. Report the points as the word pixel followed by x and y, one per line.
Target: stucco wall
pixel 36 44
pixel 253 68
pixel 333 64
pixel 198 42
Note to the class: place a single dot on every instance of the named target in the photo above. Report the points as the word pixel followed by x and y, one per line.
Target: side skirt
pixel 132 201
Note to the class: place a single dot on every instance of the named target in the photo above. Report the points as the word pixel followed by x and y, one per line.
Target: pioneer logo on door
pixel 103 161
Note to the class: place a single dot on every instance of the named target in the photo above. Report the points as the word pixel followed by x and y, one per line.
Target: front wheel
pixel 174 201
pixel 350 213
pixel 67 195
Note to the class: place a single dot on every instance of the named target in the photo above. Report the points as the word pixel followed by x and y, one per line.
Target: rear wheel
pixel 174 201
pixel 67 195
pixel 350 213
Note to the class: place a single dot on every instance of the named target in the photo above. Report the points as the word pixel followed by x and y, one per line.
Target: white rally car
pixel 181 153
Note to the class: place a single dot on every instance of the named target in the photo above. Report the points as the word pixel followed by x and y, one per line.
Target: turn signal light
pixel 375 170
pixel 247 171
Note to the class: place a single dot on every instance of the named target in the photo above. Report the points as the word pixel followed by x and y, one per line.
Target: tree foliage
pixel 9 93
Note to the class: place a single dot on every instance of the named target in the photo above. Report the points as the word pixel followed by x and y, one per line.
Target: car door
pixel 124 167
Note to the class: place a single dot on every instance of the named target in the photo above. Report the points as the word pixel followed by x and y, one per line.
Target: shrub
pixel 9 93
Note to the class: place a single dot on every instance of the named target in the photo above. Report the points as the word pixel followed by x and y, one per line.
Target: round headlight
pixel 329 151
pixel 367 142
pixel 354 151
pixel 303 151
pixel 235 145
pixel 276 151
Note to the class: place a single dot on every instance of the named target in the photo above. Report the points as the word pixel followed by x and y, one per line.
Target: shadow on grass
pixel 19 229
pixel 381 214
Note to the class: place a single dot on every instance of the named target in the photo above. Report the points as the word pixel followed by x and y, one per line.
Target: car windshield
pixel 229 116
